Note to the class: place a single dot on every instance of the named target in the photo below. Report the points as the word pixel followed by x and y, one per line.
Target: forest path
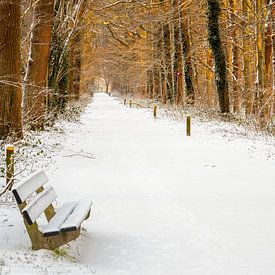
pixel 165 203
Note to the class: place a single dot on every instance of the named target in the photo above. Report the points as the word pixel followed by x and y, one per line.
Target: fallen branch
pixel 81 154
pixel 8 187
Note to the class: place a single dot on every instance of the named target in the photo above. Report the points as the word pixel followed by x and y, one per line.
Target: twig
pixel 7 187
pixel 81 154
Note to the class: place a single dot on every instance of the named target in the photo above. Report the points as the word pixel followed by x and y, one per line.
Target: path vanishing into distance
pixel 165 203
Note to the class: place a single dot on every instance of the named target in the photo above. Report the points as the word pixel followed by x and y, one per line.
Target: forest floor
pixel 164 203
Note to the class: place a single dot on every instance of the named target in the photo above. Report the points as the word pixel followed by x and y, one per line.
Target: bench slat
pixel 33 182
pixel 53 227
pixel 78 215
pixel 37 206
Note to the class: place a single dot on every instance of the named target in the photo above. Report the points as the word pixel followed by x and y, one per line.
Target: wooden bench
pixel 35 198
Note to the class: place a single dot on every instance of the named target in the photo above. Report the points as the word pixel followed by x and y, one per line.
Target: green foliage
pixel 60 252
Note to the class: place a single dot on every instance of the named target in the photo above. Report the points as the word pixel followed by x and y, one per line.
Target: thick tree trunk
pixel 218 54
pixel 37 71
pixel 10 69
pixel 75 56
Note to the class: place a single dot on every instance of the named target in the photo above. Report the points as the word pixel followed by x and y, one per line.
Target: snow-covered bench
pixel 34 199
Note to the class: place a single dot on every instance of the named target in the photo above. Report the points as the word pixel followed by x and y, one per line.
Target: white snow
pixel 77 216
pixel 38 204
pixel 164 203
pixel 55 223
pixel 30 184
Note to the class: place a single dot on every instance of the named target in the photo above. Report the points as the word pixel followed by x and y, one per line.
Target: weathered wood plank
pixel 37 206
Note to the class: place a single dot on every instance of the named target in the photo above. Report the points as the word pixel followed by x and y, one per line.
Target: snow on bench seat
pixel 53 227
pixel 78 215
pixel 38 205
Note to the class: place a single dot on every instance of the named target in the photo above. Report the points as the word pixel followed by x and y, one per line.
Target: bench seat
pixel 68 218
pixel 79 214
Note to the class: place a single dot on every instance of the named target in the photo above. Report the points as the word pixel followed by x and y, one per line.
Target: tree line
pixel 211 54
pixel 205 53
pixel 40 61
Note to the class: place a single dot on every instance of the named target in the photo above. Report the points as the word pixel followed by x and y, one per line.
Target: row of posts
pixel 10 148
pixel 188 118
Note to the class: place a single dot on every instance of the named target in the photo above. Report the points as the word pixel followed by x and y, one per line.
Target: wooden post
pixel 9 164
pixel 124 102
pixel 155 111
pixel 188 126
pixel 130 103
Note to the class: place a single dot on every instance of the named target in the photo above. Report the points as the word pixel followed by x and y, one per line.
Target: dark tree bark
pixel 186 49
pixel 74 73
pixel 10 69
pixel 218 54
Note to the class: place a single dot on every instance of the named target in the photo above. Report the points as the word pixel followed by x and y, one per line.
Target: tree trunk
pixel 37 70
pixel 273 54
pixel 218 54
pixel 273 41
pixel 166 59
pixel 248 56
pixel 259 96
pixel 74 73
pixel 10 69
pixel 260 44
pixel 236 62
pixel 178 54
pixel 209 78
pixel 172 51
pixel 186 48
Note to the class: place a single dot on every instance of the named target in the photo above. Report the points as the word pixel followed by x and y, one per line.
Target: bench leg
pixel 54 242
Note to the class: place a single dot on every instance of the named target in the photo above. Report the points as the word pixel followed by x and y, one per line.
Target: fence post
pixel 9 164
pixel 124 102
pixel 188 126
pixel 155 111
pixel 130 103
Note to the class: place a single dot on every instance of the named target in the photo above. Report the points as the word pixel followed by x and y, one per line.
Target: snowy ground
pixel 163 203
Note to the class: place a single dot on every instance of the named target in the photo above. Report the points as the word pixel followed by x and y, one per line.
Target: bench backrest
pixel 37 205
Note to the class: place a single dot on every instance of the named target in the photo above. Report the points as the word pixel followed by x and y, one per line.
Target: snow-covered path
pixel 168 204
pixel 165 203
